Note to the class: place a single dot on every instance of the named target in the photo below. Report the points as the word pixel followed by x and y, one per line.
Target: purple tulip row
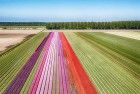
pixel 36 79
pixel 17 84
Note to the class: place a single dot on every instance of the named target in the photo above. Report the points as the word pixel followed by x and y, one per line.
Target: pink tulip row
pixel 53 77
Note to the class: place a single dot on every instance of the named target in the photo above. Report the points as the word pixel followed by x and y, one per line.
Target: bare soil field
pixel 12 37
pixel 18 31
pixel 129 34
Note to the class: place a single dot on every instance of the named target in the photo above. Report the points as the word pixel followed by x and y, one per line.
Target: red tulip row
pixel 79 78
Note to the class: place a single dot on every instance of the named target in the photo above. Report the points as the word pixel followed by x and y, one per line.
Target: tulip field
pixel 72 63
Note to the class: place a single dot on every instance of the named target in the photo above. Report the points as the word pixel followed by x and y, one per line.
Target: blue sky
pixel 69 10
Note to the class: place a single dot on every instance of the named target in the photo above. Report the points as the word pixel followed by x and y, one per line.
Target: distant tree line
pixel 79 25
pixel 94 25
pixel 23 23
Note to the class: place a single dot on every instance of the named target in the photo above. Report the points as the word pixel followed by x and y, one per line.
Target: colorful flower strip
pixel 17 84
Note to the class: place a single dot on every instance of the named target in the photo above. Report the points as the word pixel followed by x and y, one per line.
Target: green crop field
pixel 111 61
pixel 72 62
pixel 13 61
pixel 69 46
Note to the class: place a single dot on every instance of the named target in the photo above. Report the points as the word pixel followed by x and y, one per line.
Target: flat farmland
pixel 109 61
pixel 18 31
pixel 9 38
pixel 72 62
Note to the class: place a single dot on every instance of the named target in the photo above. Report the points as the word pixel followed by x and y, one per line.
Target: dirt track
pixel 34 31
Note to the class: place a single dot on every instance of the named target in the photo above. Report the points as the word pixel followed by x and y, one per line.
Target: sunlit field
pixel 82 61
pixel 69 46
